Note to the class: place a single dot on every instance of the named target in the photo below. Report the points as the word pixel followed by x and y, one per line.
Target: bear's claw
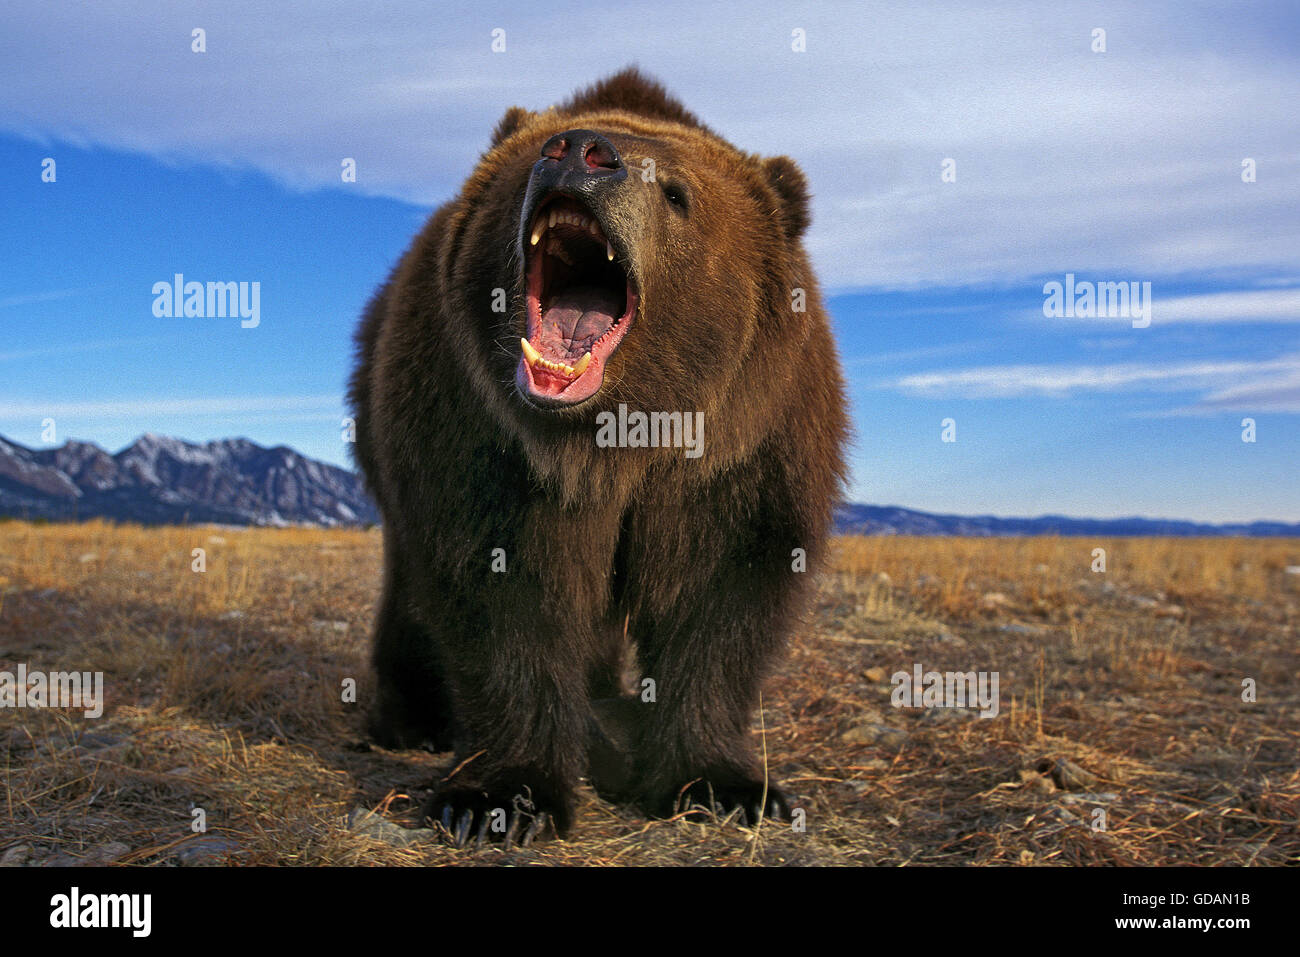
pixel 488 817
pixel 698 797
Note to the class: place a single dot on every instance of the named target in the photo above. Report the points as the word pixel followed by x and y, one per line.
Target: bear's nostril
pixel 556 148
pixel 600 155
pixel 584 150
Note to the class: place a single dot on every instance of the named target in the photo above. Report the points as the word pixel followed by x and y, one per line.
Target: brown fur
pixel 695 553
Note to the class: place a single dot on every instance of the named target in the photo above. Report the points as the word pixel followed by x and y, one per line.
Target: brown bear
pixel 598 397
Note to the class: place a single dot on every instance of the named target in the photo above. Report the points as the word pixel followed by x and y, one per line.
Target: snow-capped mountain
pixel 158 479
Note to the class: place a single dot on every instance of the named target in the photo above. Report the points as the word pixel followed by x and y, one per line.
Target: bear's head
pixel 614 249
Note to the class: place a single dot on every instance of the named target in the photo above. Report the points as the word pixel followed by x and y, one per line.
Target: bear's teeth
pixel 537 232
pixel 535 360
pixel 609 250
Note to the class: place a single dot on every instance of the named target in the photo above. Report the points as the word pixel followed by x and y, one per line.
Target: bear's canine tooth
pixel 609 250
pixel 537 232
pixel 581 366
pixel 531 354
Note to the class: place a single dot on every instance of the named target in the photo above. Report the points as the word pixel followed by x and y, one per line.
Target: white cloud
pixel 220 405
pixel 1233 384
pixel 1066 159
pixel 1268 305
pixel 1271 305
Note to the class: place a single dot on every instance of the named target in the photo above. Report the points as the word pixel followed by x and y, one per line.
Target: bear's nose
pixel 584 150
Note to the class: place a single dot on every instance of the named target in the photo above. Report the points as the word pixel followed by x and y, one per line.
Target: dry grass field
pixel 1122 736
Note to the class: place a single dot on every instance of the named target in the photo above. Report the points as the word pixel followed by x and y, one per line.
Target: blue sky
pixel 1115 166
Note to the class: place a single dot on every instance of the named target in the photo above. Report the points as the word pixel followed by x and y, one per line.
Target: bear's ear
pixel 785 177
pixel 632 91
pixel 515 117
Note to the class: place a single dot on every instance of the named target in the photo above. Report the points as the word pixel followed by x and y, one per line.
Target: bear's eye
pixel 676 194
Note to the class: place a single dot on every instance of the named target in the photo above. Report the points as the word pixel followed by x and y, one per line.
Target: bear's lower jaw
pixel 552 382
pixel 580 302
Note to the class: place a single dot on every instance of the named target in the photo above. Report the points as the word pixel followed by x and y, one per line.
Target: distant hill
pixel 887 520
pixel 160 480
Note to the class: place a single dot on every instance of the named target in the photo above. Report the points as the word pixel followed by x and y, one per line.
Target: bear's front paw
pixel 723 794
pixel 512 814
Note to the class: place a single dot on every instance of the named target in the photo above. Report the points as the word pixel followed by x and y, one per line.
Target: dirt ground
pixel 1126 731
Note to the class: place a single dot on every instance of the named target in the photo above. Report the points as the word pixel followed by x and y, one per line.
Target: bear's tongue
pixel 573 320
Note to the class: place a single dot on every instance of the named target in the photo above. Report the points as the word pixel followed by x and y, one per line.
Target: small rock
pixel 875 674
pixel 1090 798
pixel 324 625
pixel 16 856
pixel 993 600
pixel 205 852
pixel 881 578
pixel 377 827
pixel 1065 817
pixel 1070 777
pixel 88 557
pixel 112 851
pixel 233 615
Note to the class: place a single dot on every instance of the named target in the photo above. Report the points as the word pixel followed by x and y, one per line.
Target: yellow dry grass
pixel 223 694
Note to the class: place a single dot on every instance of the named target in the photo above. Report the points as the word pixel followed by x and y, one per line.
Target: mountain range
pixel 162 480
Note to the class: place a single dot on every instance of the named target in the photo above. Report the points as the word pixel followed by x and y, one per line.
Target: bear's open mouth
pixel 580 303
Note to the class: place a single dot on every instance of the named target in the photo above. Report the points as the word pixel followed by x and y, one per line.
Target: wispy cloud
pixel 1280 305
pixel 1264 305
pixel 31 298
pixel 223 405
pixel 1065 158
pixel 101 345
pixel 1279 393
pixel 1266 378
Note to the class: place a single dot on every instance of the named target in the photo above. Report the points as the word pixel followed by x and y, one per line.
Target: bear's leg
pixel 707 640
pixel 413 703
pixel 520 687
